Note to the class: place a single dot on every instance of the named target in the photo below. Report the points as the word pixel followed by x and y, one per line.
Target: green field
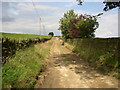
pixel 21 36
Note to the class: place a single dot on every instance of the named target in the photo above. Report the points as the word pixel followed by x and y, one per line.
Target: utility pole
pixel 40 25
pixel 37 15
pixel 44 29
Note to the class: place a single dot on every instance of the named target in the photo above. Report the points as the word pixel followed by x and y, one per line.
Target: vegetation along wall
pixel 102 53
pixel 10 45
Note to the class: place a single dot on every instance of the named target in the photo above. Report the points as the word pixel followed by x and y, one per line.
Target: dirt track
pixel 67 70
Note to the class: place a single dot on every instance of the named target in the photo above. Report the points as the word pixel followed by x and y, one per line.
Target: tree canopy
pixel 109 4
pixel 83 26
pixel 51 33
pixel 78 26
pixel 64 23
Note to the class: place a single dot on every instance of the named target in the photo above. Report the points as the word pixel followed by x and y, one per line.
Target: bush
pixel 83 26
pixel 51 33
pixel 74 26
pixel 65 22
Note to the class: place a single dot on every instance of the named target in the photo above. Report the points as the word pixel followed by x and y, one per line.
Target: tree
pixel 83 26
pixel 51 33
pixel 109 4
pixel 64 23
pixel 74 26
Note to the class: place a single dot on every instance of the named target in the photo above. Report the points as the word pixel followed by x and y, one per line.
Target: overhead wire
pixel 37 15
pixel 35 9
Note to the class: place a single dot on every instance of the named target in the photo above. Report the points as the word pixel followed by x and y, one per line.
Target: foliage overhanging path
pixel 67 70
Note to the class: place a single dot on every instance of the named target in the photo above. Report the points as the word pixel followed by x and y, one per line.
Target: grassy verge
pixel 21 70
pixel 101 53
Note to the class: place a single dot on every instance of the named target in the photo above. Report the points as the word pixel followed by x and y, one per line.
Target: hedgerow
pixel 10 46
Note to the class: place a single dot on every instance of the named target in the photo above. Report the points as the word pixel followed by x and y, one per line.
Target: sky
pixel 22 17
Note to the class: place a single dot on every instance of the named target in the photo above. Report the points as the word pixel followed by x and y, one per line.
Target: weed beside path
pixel 21 70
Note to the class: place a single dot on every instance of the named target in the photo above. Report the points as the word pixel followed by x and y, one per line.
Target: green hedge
pixel 100 52
pixel 10 46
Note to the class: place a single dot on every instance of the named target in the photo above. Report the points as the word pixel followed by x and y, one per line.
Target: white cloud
pixel 38 1
pixel 20 25
pixel 13 12
pixel 50 0
pixel 30 26
pixel 26 20
pixel 108 25
pixel 30 7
